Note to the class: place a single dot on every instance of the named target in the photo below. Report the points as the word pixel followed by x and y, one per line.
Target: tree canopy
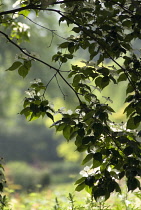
pixel 102 34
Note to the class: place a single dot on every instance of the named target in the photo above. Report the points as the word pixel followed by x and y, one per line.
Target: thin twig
pixel 52 31
pixel 59 86
pixel 38 24
pixel 41 61
pixel 48 83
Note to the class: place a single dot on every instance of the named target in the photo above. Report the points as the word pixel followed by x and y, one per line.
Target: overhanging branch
pixel 41 61
pixel 32 6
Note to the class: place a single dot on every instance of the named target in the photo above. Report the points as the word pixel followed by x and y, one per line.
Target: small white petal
pixel 69 112
pixel 86 168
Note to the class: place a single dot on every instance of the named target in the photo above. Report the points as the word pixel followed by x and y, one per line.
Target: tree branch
pixel 41 61
pixel 95 39
pixel 31 6
pixel 27 54
pixel 28 7
pixel 17 10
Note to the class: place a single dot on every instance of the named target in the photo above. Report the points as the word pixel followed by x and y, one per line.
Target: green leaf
pixel 130 98
pixel 127 23
pixel 99 192
pixel 113 79
pixel 89 115
pixel 107 195
pixel 23 71
pixel 66 132
pixel 98 81
pixel 97 156
pixel 64 45
pixel 60 127
pixel 87 139
pixel 63 59
pixel 104 71
pixel 27 64
pixel 71 47
pixel 111 186
pixel 50 116
pixel 24 12
pixel 34 116
pixel 26 112
pixel 14 66
pixel 92 51
pixel 131 124
pixel 76 79
pixel 137 119
pixel 80 187
pixel 96 163
pixel 121 174
pixel 88 189
pixel 100 60
pixel 81 180
pixel 87 158
pixel 1 187
pixel 132 184
pixel 69 56
pixel 34 108
pixel 129 109
pixel 128 151
pixel 89 181
pixel 122 77
pixel 105 81
pixel 81 148
pixel 110 109
pixel 73 134
pixel 76 29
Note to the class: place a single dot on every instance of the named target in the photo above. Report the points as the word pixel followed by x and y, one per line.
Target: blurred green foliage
pixel 25 177
pixel 63 197
pixel 34 143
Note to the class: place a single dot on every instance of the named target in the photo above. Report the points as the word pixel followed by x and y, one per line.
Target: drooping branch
pixel 27 54
pixel 41 61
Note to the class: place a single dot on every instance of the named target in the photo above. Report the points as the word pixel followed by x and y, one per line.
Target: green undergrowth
pixel 63 197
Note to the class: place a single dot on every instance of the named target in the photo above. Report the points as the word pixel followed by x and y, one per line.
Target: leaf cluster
pixel 23 68
pixel 36 105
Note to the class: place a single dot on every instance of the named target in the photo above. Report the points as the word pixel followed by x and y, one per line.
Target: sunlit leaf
pixel 80 187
